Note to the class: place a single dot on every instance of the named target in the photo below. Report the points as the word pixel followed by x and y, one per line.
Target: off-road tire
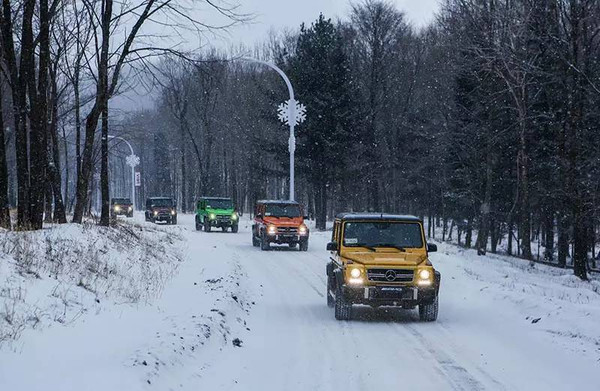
pixel 255 241
pixel 174 220
pixel 264 243
pixel 429 312
pixel 304 246
pixel 198 225
pixel 343 309
pixel 234 229
pixel 206 226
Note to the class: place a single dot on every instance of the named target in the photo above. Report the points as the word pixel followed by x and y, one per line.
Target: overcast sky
pixel 278 14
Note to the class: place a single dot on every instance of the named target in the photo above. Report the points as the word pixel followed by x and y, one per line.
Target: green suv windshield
pixel 219 204
pixel 383 234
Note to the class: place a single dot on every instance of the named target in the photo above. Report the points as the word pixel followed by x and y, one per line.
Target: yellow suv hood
pixel 386 257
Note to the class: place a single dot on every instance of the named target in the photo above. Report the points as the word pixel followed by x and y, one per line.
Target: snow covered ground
pixel 236 318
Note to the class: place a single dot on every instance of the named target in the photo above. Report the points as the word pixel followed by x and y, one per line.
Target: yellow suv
pixel 381 260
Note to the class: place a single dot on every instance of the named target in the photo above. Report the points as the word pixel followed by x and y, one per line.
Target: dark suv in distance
pixel 121 207
pixel 161 209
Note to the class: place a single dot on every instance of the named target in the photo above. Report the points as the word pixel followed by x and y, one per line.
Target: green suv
pixel 216 212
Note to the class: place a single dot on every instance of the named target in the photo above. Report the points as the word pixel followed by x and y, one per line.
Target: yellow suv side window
pixel 335 232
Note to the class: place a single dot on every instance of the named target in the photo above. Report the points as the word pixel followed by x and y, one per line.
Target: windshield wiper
pixel 399 248
pixel 365 246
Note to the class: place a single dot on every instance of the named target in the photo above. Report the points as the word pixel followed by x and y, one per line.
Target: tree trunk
pixel 38 142
pixel 549 237
pixel 91 122
pixel 580 243
pixel 525 215
pixel 4 207
pixel 184 179
pixel 54 160
pixel 26 66
pixel 321 205
pixel 484 229
pixel 494 235
pixel 48 203
pixel 469 234
pixel 104 178
pixel 509 249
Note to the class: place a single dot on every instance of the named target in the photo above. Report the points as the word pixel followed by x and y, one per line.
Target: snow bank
pixel 59 273
pixel 547 301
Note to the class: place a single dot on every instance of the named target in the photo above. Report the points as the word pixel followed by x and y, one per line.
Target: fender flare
pixel 437 281
pixel 339 277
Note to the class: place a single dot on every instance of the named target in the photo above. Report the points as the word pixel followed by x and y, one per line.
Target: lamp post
pixel 132 161
pixel 291 113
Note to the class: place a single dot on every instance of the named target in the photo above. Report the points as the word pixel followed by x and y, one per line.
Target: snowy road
pixel 272 305
pixel 296 344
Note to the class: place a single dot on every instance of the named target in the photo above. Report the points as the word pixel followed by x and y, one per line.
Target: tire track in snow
pixel 449 341
pixel 460 378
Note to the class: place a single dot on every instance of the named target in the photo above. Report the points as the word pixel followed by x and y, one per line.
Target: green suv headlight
pixel 234 216
pixel 212 216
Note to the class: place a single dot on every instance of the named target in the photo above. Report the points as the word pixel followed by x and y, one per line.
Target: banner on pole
pixel 138 179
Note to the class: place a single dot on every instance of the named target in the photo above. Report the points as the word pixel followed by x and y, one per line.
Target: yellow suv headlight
pixel 356 276
pixel 424 277
pixel 424 274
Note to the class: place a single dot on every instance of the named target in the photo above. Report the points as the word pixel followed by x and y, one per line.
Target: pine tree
pixel 321 77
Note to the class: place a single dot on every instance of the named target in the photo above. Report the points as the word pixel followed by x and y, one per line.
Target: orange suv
pixel 280 222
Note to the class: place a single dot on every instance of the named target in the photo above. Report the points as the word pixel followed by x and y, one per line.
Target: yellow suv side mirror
pixel 332 246
pixel 431 248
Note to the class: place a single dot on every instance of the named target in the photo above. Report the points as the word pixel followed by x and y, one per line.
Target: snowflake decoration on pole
pixel 132 160
pixel 291 112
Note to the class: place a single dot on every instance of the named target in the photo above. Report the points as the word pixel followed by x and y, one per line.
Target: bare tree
pixel 147 11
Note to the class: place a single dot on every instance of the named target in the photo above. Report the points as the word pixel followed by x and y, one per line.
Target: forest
pixel 484 123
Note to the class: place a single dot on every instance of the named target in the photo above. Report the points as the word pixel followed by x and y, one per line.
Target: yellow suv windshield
pixel 399 235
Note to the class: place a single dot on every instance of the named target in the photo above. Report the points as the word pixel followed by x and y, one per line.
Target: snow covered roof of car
pixel 216 198
pixel 376 216
pixel 282 202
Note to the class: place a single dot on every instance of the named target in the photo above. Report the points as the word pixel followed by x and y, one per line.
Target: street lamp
pixel 132 161
pixel 291 113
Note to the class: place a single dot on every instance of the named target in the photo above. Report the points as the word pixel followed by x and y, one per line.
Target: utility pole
pixel 132 161
pixel 291 113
